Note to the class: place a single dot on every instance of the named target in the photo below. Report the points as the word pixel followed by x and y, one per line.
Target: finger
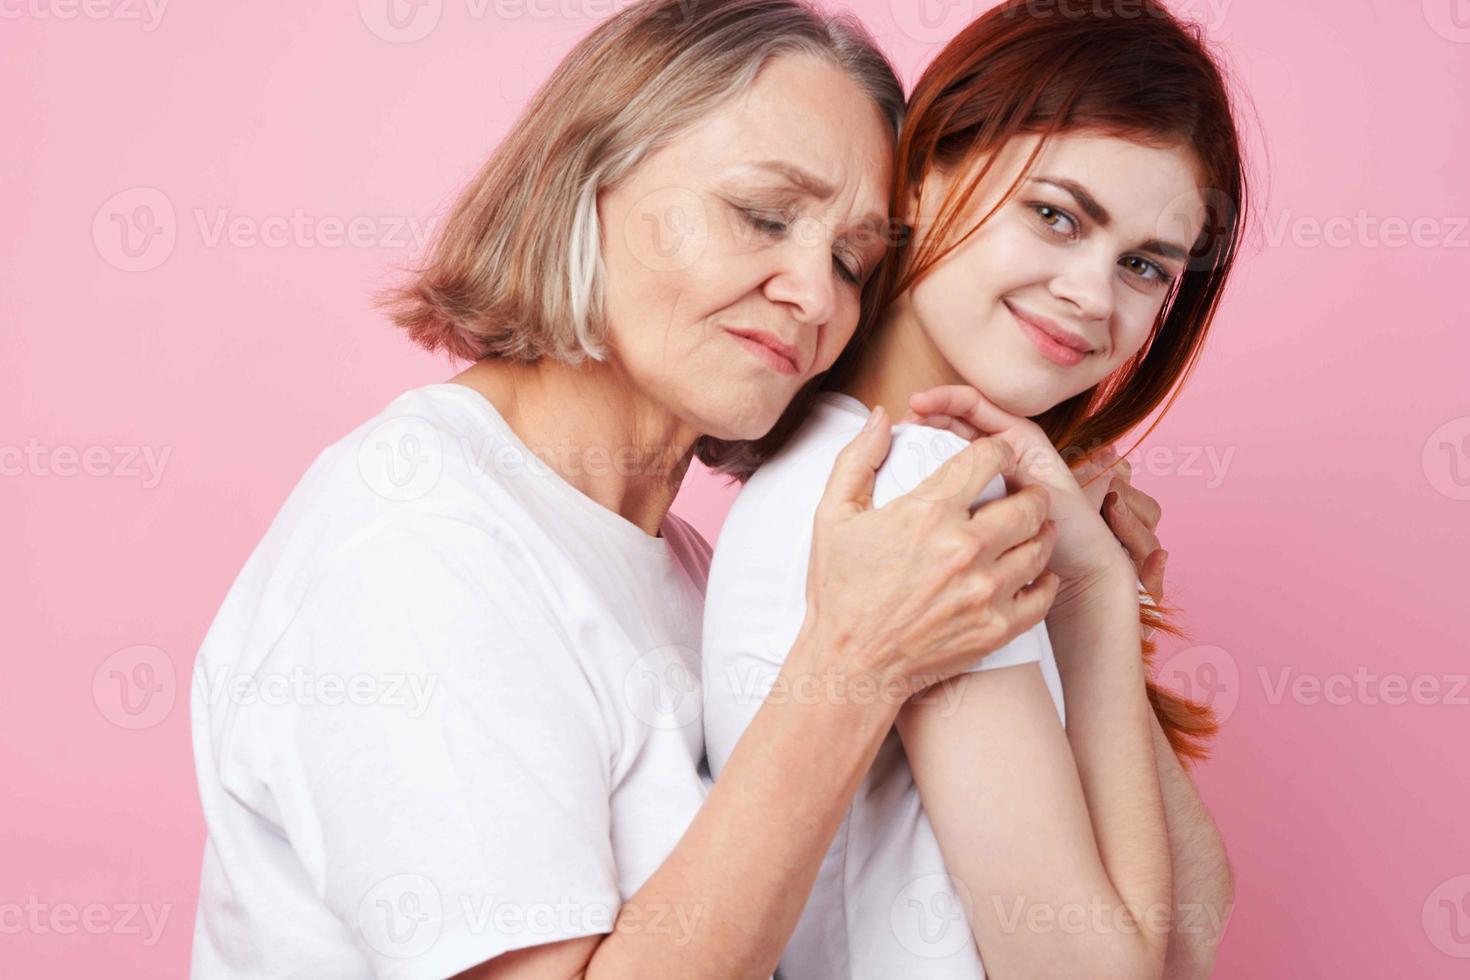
pixel 1128 529
pixel 1088 467
pixel 1151 573
pixel 1034 601
pixel 1092 476
pixel 1002 524
pixel 1144 507
pixel 1025 561
pixel 963 402
pixel 850 486
pixel 959 427
pixel 961 478
pixel 1105 464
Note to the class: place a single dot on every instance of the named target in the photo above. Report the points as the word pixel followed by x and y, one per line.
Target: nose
pixel 1086 282
pixel 803 282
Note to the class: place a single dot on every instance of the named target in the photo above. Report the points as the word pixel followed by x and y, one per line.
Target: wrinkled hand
pixel 1086 550
pixel 1106 480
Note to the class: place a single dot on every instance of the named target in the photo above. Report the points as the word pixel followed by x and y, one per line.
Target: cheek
pixel 1134 323
pixel 838 332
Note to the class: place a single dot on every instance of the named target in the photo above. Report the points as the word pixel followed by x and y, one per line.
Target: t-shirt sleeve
pixel 917 451
pixel 450 798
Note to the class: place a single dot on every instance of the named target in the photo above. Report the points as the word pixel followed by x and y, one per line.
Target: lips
pixel 773 343
pixel 1052 330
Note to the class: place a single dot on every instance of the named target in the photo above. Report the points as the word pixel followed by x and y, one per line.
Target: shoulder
pixel 784 491
pixel 916 452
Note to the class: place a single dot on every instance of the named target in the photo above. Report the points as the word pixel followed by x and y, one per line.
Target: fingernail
pixel 1163 562
pixel 873 417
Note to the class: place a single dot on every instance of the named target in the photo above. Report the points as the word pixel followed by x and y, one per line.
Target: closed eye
pixel 775 225
pixel 766 224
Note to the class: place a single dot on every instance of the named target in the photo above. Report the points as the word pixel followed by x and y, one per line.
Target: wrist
pixel 1112 584
pixel 833 670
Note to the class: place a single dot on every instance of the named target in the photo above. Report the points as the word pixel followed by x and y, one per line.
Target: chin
pixel 740 426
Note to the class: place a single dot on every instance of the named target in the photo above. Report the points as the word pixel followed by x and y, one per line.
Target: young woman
pixel 469 595
pixel 1063 176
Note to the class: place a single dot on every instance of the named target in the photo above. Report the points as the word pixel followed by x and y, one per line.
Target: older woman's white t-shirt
pixel 449 708
pixel 883 905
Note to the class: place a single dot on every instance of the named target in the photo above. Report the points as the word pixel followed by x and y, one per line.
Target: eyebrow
pixel 1099 214
pixel 814 186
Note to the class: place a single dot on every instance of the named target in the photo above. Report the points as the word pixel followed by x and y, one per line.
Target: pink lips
pixel 1055 344
pixel 770 349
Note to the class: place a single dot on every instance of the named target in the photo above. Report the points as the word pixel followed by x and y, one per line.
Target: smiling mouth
pixel 1051 341
pixel 770 350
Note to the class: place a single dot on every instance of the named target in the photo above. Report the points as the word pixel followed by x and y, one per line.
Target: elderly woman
pixel 478 619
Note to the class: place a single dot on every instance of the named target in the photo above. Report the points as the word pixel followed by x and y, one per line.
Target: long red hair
pixel 1126 68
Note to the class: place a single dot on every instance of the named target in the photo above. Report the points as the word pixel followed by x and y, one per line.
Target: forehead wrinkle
pixel 815 188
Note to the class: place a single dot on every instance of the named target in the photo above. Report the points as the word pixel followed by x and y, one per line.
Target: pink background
pixel 1323 546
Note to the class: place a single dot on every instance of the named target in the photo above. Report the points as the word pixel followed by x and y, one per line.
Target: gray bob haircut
pixel 516 270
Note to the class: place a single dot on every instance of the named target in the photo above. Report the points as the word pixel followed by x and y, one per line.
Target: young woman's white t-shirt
pixel 449 708
pixel 883 906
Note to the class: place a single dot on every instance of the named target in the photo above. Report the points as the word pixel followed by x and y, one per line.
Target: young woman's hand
pixel 918 590
pixel 1086 548
pixel 1132 514
pixel 1106 479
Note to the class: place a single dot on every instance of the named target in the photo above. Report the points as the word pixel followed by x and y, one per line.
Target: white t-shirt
pixel 883 905
pixel 449 708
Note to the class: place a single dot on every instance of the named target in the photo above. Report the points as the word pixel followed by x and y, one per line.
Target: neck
pixel 898 361
pixel 593 428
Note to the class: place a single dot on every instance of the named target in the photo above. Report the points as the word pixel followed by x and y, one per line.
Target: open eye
pixel 1055 219
pixel 1150 272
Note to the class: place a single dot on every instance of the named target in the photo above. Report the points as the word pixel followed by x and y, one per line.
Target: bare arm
pixel 1058 835
pixel 743 869
pixel 904 595
pixel 1204 889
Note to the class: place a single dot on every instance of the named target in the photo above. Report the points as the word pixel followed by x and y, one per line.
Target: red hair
pixel 1123 68
pixel 1126 68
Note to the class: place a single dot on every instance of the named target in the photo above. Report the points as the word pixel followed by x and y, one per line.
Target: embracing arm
pixel 879 607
